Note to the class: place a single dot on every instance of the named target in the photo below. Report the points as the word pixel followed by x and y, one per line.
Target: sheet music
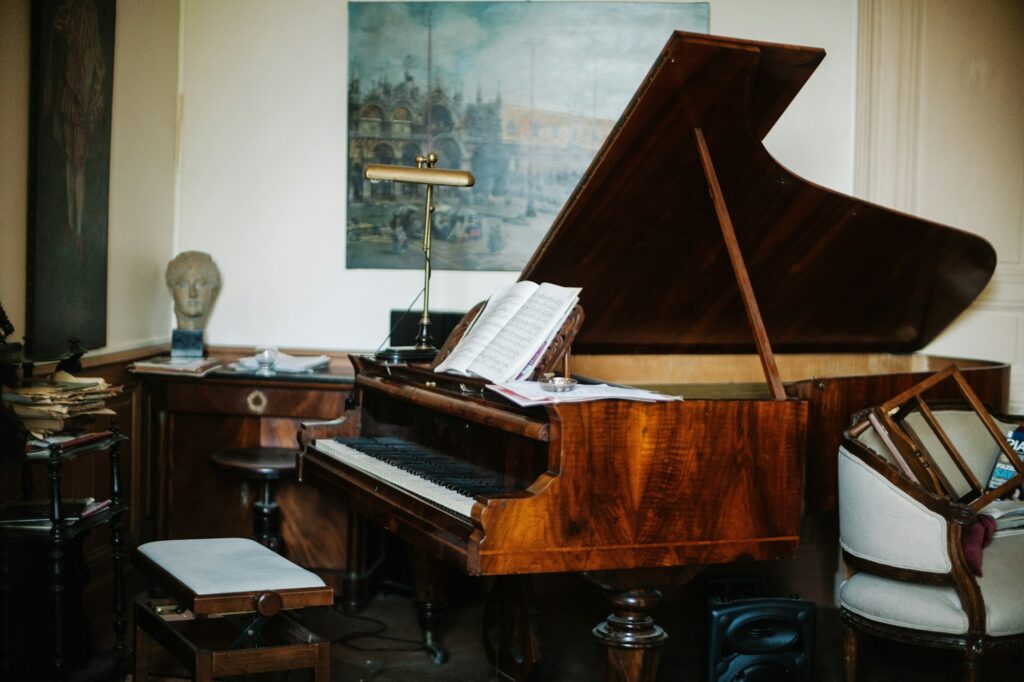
pixel 520 339
pixel 528 393
pixel 500 308
pixel 518 321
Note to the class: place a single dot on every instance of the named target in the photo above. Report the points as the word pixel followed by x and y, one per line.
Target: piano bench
pixel 228 611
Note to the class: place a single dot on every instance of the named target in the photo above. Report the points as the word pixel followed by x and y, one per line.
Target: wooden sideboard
pixel 189 418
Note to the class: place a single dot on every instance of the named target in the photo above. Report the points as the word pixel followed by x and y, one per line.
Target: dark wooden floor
pixel 571 607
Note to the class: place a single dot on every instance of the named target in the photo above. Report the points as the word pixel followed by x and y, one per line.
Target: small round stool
pixel 266 465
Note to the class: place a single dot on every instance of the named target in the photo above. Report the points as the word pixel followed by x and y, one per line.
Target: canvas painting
pixel 520 93
pixel 69 174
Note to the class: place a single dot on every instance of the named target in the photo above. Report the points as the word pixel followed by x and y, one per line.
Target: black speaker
pixel 761 640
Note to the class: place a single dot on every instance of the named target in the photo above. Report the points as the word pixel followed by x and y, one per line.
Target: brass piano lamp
pixel 424 173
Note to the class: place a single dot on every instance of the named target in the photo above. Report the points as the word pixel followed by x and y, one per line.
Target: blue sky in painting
pixel 576 57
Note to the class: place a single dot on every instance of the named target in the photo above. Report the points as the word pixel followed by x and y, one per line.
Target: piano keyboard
pixel 446 481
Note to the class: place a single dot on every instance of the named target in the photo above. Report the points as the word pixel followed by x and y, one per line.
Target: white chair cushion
pixel 907 605
pixel 937 609
pixel 211 566
pixel 881 523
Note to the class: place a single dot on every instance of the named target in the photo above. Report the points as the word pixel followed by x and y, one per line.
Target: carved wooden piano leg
pixel 631 640
pixel 430 581
pixel 511 628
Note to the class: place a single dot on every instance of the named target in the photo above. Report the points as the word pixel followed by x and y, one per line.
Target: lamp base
pixel 405 354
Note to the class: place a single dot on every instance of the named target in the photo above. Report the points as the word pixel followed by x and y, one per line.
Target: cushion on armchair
pixel 937 608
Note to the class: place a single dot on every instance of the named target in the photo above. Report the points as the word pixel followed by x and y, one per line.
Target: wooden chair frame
pixel 919 477
pixel 919 463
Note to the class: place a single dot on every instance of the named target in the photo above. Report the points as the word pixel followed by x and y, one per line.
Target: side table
pixel 23 527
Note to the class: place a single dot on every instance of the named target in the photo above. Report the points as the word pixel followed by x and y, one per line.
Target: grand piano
pixel 776 307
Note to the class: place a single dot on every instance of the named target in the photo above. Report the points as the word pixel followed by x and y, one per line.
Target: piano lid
pixel 829 272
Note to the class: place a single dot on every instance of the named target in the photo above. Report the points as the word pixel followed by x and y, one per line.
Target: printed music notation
pixel 511 333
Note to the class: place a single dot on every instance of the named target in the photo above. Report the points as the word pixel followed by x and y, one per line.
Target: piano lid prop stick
pixel 764 347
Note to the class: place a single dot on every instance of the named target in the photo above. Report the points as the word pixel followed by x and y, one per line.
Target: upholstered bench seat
pixel 937 608
pixel 229 615
pixel 212 566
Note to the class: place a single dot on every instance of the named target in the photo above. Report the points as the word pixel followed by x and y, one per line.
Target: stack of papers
pixel 528 393
pixel 1007 513
pixel 289 363
pixel 60 402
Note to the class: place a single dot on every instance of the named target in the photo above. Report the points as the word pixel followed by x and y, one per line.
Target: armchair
pixel 912 483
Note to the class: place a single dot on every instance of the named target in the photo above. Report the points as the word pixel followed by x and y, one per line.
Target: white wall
pixel 263 161
pixel 142 172
pixel 942 136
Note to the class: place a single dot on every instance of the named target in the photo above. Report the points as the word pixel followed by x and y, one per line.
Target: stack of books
pixel 59 403
pixel 165 364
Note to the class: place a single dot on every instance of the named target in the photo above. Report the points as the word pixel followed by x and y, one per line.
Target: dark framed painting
pixel 520 93
pixel 71 91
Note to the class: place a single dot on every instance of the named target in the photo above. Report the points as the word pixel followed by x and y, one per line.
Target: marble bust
pixel 194 281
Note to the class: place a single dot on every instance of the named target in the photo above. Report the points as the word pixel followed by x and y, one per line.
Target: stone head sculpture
pixel 194 281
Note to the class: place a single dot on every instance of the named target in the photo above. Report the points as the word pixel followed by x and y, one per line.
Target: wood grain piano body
pixel 639 485
pixel 605 485
pixel 834 385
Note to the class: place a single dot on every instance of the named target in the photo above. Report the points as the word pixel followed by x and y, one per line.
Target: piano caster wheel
pixel 437 653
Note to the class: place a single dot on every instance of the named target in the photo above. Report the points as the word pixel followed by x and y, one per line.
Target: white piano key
pixel 400 478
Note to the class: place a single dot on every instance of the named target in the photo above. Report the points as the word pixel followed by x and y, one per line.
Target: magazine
pixel 1004 470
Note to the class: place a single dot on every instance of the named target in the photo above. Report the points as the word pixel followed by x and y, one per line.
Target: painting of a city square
pixel 522 94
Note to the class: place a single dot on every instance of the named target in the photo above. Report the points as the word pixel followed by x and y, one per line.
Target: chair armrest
pixel 882 523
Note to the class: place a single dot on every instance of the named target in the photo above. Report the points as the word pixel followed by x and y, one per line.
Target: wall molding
pixel 888 71
pixel 900 70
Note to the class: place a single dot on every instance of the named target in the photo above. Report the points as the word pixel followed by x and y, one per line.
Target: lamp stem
pixel 424 338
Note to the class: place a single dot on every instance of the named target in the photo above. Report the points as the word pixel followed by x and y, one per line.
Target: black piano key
pixel 455 474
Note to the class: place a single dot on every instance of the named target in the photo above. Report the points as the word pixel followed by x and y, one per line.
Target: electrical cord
pixel 376 633
pixel 399 321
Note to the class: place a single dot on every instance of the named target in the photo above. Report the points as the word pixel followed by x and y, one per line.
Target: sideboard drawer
pixel 256 400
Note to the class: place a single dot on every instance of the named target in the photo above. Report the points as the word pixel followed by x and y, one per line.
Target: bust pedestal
pixel 187 343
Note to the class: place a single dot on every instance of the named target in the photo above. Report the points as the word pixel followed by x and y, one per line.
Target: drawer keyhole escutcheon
pixel 257 401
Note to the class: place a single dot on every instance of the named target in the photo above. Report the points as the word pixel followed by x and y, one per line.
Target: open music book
pixel 512 332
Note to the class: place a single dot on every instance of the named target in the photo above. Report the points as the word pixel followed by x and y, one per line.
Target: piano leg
pixel 630 639
pixel 430 580
pixel 511 628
